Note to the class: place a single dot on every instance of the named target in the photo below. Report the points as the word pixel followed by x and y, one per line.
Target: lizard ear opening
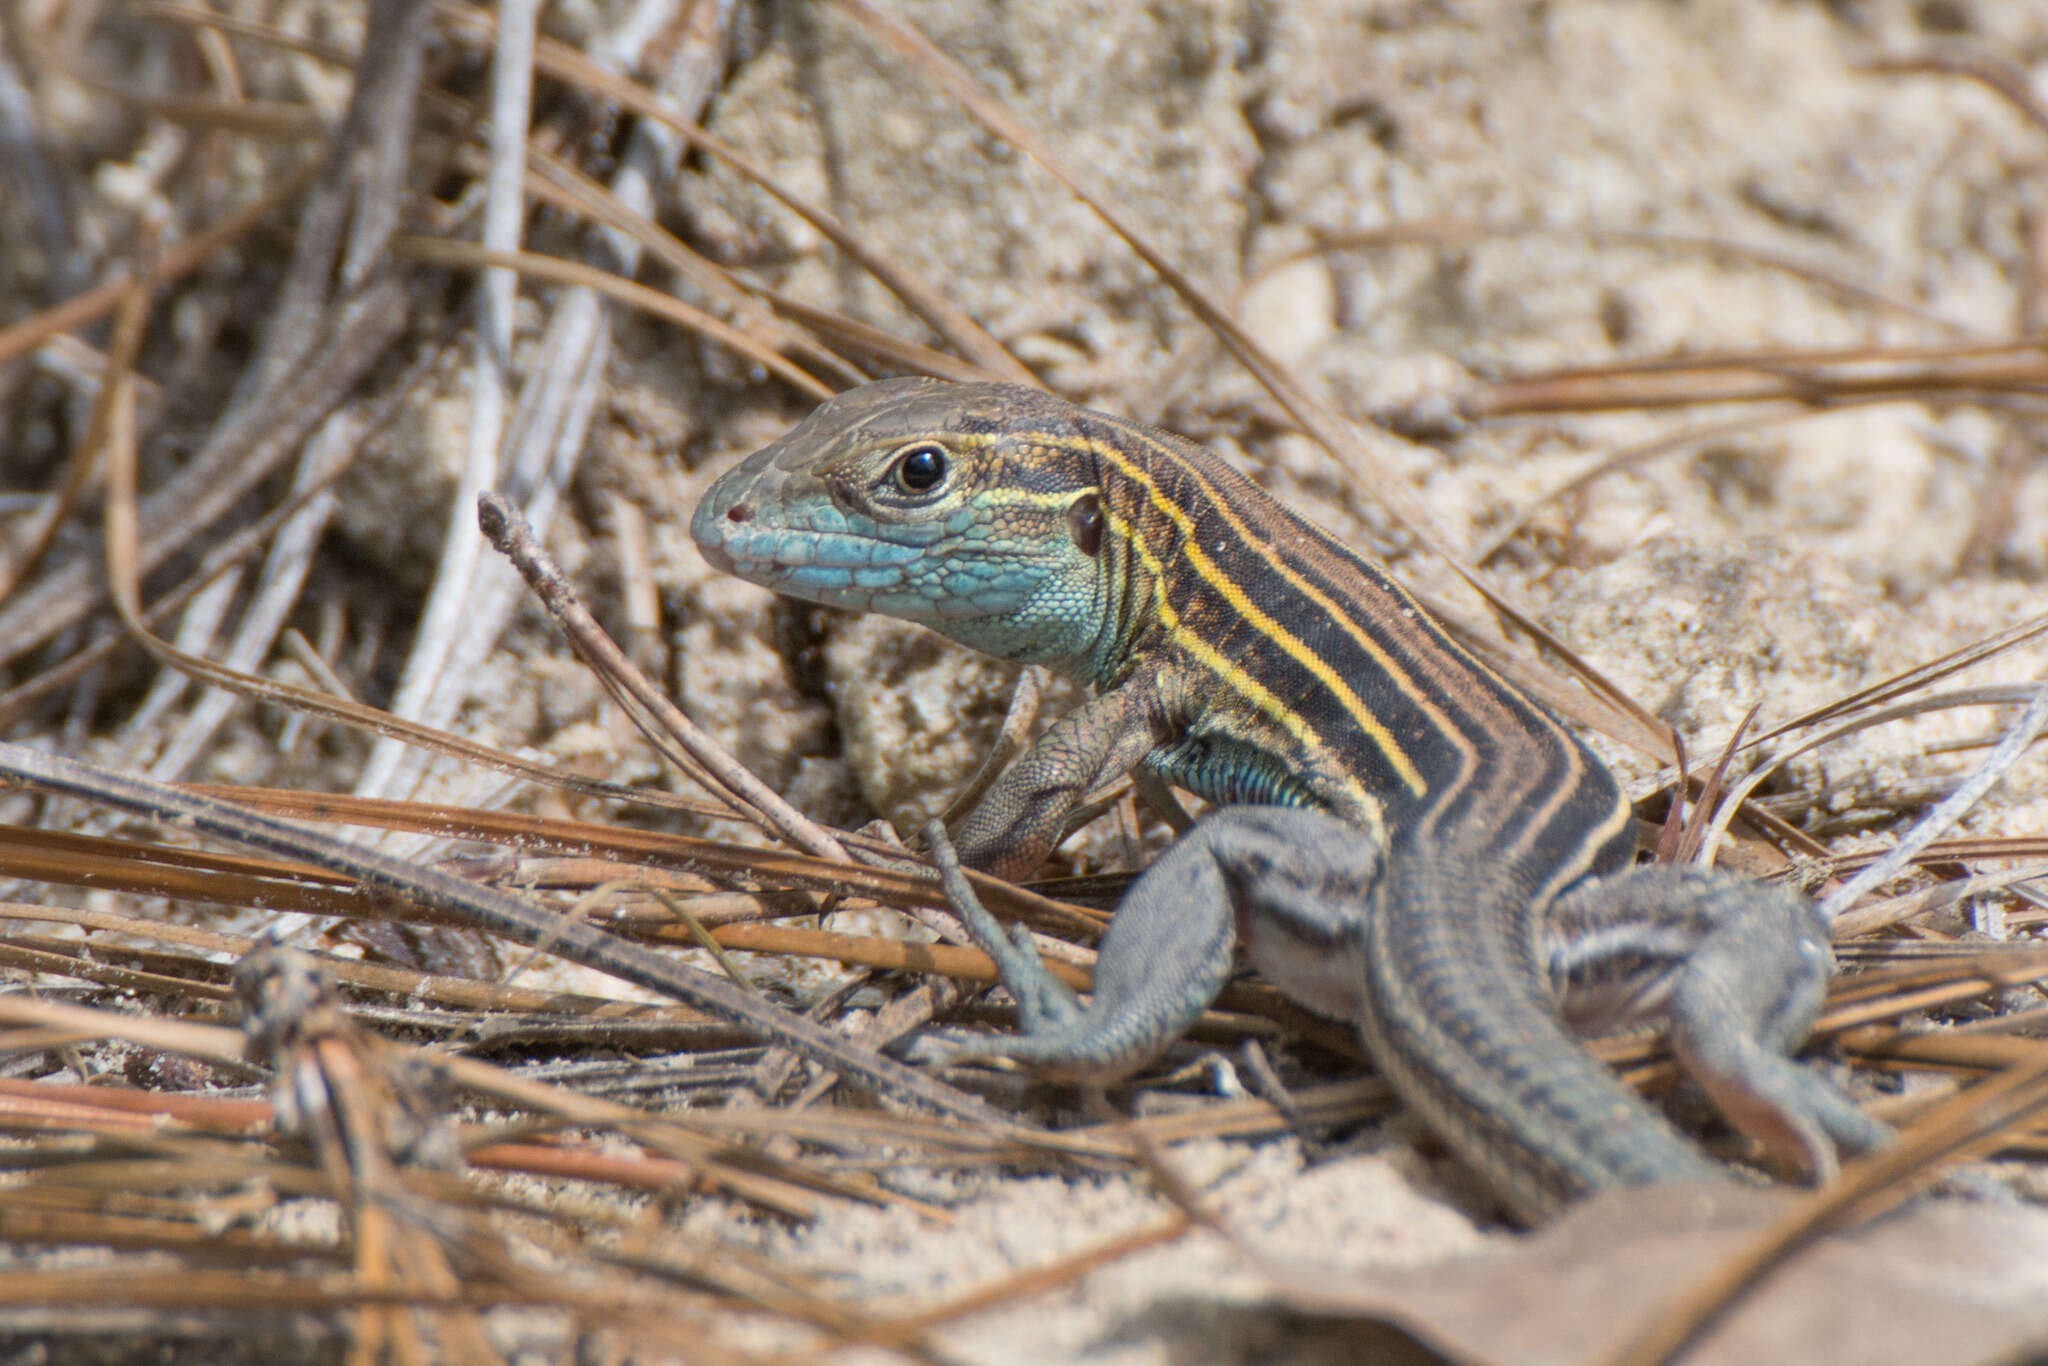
pixel 1084 523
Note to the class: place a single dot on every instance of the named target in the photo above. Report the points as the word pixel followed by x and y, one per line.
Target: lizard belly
pixel 1326 976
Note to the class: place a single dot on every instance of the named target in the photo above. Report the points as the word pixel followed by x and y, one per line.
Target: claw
pixel 1800 1121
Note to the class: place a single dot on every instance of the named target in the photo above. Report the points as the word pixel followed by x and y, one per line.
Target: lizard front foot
pixel 1095 1044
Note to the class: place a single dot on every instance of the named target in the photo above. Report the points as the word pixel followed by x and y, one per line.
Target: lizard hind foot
pixel 1737 971
pixel 1799 1119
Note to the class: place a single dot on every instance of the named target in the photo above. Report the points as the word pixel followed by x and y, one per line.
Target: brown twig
pixel 490 910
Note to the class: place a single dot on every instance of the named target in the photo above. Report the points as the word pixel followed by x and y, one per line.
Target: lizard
pixel 1399 836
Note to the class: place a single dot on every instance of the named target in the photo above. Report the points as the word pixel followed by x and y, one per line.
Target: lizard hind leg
pixel 1735 971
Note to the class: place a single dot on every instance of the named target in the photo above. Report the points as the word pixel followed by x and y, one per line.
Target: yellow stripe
pixel 1262 622
pixel 1233 677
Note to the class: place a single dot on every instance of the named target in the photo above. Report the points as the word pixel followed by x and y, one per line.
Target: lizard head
pixel 967 508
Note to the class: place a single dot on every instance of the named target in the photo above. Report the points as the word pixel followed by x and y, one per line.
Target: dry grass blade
pixel 1877 694
pixel 1898 910
pixel 960 331
pixel 241 455
pixel 200 1041
pixel 765 868
pixel 110 436
pixel 56 958
pixel 1977 1054
pixel 208 20
pixel 260 118
pixel 559 183
pixel 457 619
pixel 1693 835
pixel 1950 809
pixel 791 1187
pixel 643 1309
pixel 2004 78
pixel 1816 377
pixel 102 1105
pixel 127 561
pixel 490 910
pixel 1869 699
pixel 1890 995
pixel 152 870
pixel 1939 965
pixel 22 336
pixel 658 718
pixel 222 559
pixel 1964 848
pixel 177 261
pixel 690 1157
pixel 893 351
pixel 405 984
pixel 364 1114
pixel 309 703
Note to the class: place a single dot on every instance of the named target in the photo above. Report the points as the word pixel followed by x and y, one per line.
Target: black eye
pixel 921 468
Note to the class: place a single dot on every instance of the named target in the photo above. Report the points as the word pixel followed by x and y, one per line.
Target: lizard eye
pixel 921 468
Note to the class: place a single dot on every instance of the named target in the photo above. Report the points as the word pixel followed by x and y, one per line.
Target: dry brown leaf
pixel 1942 1281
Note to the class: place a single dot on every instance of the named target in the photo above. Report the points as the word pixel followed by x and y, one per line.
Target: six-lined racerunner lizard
pixel 1402 838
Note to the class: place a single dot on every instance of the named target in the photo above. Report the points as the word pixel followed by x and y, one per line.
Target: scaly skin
pixel 1404 840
